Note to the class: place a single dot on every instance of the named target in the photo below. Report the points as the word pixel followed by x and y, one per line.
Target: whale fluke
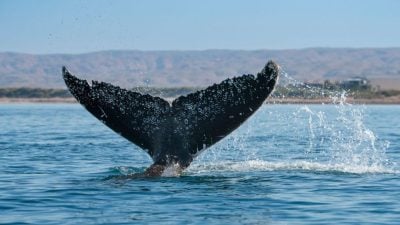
pixel 174 134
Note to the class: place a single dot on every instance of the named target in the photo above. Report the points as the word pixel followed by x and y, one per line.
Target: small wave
pixel 126 170
pixel 259 165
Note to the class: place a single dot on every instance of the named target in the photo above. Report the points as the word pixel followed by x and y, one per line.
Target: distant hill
pixel 198 68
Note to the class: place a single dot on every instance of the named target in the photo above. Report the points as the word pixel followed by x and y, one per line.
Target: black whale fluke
pixel 174 134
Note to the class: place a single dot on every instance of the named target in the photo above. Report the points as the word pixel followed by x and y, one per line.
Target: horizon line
pixel 195 50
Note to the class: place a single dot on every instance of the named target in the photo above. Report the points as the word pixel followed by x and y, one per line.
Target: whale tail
pixel 174 134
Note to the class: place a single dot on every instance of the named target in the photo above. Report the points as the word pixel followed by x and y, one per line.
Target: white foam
pixel 173 170
pixel 306 166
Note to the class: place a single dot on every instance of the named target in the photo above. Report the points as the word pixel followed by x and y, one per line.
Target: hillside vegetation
pixel 298 92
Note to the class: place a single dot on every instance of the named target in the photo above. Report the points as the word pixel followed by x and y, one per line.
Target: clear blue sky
pixel 51 26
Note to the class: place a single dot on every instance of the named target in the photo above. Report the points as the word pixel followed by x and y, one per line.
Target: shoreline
pixel 38 100
pixel 395 100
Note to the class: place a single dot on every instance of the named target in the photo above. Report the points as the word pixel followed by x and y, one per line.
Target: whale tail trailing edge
pixel 175 133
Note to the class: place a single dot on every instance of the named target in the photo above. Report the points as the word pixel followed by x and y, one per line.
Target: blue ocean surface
pixel 288 164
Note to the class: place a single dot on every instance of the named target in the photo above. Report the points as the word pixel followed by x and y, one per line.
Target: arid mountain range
pixel 199 68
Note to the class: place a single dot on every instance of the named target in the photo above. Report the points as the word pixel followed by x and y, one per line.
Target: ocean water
pixel 288 164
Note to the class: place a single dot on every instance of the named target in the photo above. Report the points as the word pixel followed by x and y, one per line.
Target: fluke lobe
pixel 174 134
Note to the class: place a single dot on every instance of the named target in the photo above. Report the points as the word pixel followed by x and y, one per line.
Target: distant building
pixel 356 83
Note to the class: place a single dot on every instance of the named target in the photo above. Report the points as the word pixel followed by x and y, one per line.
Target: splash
pixel 318 137
pixel 173 170
pixel 306 166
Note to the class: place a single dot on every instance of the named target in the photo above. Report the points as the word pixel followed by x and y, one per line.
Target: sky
pixel 55 26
